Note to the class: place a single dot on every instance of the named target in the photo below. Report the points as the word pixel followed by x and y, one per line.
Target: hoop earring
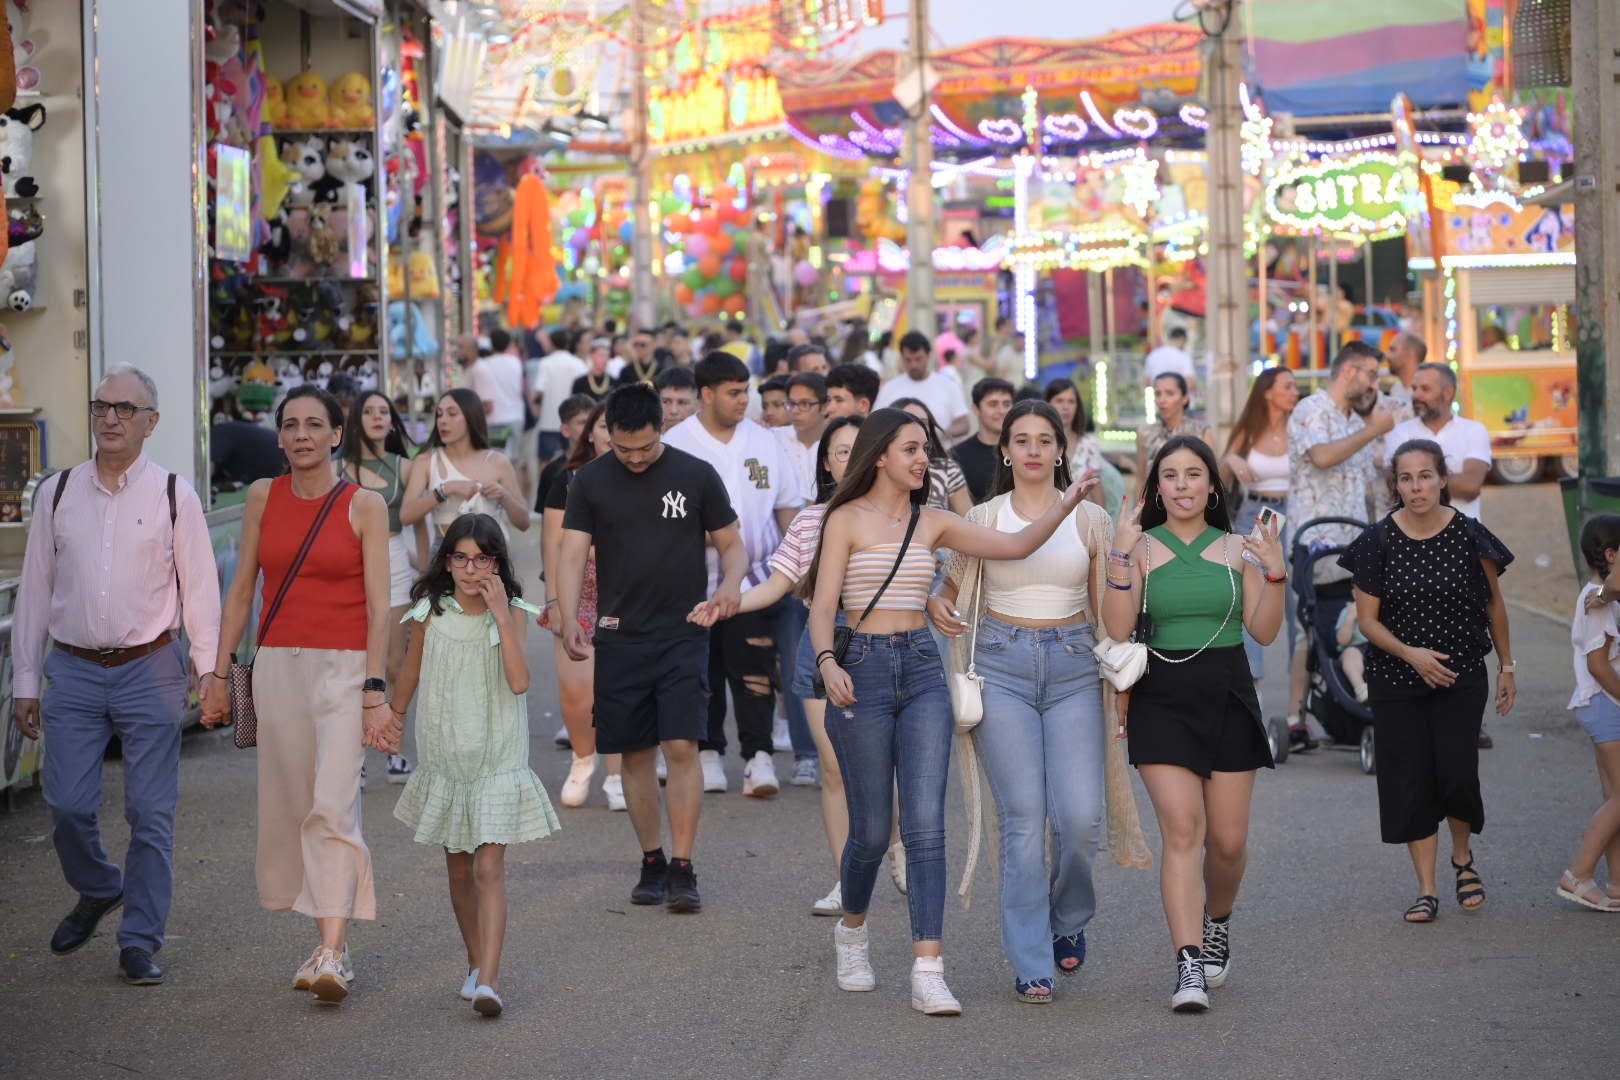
pixel 1158 501
pixel 1007 461
pixel 1214 499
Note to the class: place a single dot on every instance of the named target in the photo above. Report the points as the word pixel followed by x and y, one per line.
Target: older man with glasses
pixel 118 557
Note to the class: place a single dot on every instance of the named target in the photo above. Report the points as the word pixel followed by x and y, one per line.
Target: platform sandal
pixel 1069 952
pixel 1026 991
pixel 1424 909
pixel 1468 889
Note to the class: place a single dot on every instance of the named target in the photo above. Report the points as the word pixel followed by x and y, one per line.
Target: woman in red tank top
pixel 318 687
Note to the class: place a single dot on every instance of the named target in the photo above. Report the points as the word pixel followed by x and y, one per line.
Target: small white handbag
pixel 967 687
pixel 1122 663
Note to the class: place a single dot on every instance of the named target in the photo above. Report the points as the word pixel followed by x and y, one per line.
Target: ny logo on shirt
pixel 759 474
pixel 674 504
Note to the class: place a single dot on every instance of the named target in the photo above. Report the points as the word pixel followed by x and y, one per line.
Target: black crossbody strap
pixel 916 512
pixel 303 553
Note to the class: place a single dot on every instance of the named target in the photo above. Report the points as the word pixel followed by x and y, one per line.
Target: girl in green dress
pixel 472 791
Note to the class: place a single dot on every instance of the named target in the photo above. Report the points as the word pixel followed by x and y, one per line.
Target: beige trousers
pixel 312 858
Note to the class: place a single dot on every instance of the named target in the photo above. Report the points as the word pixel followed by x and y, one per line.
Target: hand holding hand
pixel 944 615
pixel 575 643
pixel 702 614
pixel 214 701
pixel 1427 663
pixel 725 601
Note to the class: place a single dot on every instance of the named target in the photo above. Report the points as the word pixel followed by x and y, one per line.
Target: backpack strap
pixel 174 513
pixel 61 486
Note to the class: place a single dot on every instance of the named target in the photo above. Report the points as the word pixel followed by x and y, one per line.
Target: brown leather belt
pixel 110 658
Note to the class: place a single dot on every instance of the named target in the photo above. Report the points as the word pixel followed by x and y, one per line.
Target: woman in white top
pixel 463 475
pixel 1257 458
pixel 1042 737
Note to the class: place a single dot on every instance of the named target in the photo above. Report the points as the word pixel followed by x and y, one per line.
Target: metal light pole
pixel 642 306
pixel 1595 67
pixel 1227 280
pixel 920 230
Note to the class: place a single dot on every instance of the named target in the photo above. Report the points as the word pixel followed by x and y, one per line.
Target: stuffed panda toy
pixel 17 127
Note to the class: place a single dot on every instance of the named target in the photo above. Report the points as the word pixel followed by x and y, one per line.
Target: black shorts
pixel 648 692
pixel 1202 714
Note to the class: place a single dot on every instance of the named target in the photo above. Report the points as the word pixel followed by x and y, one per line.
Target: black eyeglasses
pixel 460 559
pixel 122 409
pixel 800 405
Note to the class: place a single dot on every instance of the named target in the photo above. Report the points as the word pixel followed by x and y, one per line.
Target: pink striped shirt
pixel 105 576
pixel 798 548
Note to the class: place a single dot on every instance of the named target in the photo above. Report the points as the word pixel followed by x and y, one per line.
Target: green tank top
pixel 1188 598
pixel 389 467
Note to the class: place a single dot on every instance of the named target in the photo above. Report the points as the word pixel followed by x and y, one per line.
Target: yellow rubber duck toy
pixel 307 107
pixel 351 102
pixel 275 102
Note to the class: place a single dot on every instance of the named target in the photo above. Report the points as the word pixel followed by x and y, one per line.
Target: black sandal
pixel 1425 908
pixel 1469 888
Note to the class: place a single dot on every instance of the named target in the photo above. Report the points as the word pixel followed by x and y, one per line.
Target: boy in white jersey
pixel 765 494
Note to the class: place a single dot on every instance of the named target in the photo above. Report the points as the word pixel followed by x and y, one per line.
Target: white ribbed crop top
pixel 1270 473
pixel 1051 583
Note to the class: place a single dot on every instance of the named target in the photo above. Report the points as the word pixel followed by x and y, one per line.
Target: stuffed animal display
pixel 19 275
pixel 410 332
pixel 17 127
pixel 275 102
pixel 351 102
pixel 307 104
pixel 23 45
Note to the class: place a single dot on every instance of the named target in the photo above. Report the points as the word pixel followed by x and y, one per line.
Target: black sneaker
pixel 1217 951
pixel 1190 995
pixel 79 925
pixel 654 884
pixel 683 890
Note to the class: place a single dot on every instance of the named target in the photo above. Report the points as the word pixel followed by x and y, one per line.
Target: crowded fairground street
pixel 809 538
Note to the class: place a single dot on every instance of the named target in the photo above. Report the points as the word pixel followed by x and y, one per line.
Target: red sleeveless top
pixel 326 606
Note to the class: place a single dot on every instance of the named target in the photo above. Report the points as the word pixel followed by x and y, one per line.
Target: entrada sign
pixel 1360 194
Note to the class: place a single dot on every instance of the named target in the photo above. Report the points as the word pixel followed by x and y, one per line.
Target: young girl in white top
pixel 1041 738
pixel 1595 636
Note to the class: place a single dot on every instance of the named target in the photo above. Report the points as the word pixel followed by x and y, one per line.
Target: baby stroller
pixel 1328 696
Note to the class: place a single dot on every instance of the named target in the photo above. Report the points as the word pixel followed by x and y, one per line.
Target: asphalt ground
pixel 1327 980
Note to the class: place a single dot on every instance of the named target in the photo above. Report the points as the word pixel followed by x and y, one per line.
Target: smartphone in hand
pixel 1267 518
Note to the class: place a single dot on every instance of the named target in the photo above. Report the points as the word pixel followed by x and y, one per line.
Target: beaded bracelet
pixel 1122 588
pixel 1120 555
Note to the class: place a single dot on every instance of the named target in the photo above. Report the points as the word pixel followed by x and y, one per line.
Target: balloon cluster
pixel 713 241
pixel 581 219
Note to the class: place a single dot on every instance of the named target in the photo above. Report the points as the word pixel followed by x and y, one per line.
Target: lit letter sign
pixel 1361 194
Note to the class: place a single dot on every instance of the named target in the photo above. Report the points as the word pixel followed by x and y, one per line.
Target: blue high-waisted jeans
pixel 899 729
pixel 1042 744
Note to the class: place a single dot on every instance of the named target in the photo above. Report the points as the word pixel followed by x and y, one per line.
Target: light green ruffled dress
pixel 472 784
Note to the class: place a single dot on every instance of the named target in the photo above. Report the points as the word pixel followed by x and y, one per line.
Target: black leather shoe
pixel 683 890
pixel 138 968
pixel 654 883
pixel 79 925
pixel 1485 740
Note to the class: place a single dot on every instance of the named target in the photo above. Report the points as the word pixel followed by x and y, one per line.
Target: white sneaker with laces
pixel 562 738
pixel 1217 952
pixel 831 904
pixel 1191 994
pixel 470 986
pixel 486 1002
pixel 334 974
pixel 305 978
pixel 897 865
pixel 714 771
pixel 854 965
pixel 759 777
pixel 661 766
pixel 780 739
pixel 929 994
pixel 613 788
pixel 399 769
pixel 577 787
pixel 806 773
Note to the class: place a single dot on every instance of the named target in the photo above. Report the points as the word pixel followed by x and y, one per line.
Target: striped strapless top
pixel 869 566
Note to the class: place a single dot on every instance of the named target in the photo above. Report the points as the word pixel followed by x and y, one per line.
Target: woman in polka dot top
pixel 1428 601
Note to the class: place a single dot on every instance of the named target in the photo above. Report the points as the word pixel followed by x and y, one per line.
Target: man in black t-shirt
pixel 979 452
pixel 650 511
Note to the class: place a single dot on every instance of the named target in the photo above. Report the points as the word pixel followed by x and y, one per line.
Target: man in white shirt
pixel 764 492
pixel 806 402
pixel 502 382
pixel 1171 356
pixel 1466 443
pixel 941 391
pixel 551 383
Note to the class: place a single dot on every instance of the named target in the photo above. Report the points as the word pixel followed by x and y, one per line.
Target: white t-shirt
pixel 941 392
pixel 1166 359
pixel 504 382
pixel 1588 631
pixel 554 380
pixel 802 458
pixel 759 479
pixel 1460 440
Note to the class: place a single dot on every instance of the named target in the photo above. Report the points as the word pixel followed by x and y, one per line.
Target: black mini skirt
pixel 1202 714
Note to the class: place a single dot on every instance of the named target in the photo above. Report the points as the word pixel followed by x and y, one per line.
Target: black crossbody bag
pixel 843 635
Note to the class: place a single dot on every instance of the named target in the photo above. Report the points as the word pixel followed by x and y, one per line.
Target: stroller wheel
pixel 1369 760
pixel 1277 739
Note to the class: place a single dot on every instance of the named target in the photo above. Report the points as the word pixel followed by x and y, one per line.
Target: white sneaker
pixel 334 974
pixel 486 1002
pixel 577 787
pixel 305 977
pixel 661 766
pixel 1191 994
pixel 780 739
pixel 399 769
pixel 562 739
pixel 831 904
pixel 897 865
pixel 613 788
pixel 470 986
pixel 854 965
pixel 929 994
pixel 714 770
pixel 806 772
pixel 759 777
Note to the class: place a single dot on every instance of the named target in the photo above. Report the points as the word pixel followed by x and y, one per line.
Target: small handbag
pixel 843 635
pixel 967 687
pixel 1123 663
pixel 244 718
